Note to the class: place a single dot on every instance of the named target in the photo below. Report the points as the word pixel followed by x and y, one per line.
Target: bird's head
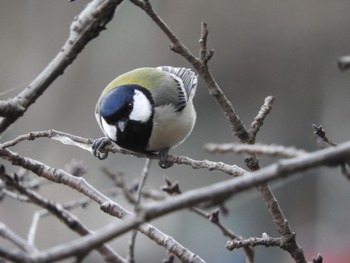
pixel 123 105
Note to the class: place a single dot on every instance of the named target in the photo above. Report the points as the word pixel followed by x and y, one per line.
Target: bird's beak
pixel 122 125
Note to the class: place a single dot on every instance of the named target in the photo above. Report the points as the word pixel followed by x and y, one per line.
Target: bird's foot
pixel 99 147
pixel 163 159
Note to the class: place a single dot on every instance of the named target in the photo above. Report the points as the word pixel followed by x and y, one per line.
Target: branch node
pixel 171 188
pixel 321 133
pixel 107 207
pixel 204 55
pixel 214 216
pixel 252 163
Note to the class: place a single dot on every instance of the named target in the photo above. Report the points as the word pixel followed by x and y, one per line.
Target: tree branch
pixel 215 193
pixel 258 149
pixel 140 185
pixel 19 242
pixel 265 240
pixel 236 124
pixel 85 143
pixel 62 214
pixel 200 65
pixel 259 119
pixel 87 25
pixel 107 205
pixel 214 218
pixel 321 133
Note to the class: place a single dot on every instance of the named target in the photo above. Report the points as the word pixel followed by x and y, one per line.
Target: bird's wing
pixel 185 81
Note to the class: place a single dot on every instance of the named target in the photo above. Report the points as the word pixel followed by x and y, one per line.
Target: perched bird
pixel 147 110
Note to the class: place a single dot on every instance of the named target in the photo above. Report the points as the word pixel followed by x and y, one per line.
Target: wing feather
pixel 186 81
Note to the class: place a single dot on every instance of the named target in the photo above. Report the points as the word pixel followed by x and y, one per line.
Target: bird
pixel 147 110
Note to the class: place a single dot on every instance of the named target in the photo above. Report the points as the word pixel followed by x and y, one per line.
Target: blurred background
pixel 286 49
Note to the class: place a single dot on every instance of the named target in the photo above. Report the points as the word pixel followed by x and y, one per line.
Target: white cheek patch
pixel 109 130
pixel 142 109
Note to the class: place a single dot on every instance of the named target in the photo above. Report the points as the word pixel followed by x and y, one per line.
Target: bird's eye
pixel 129 107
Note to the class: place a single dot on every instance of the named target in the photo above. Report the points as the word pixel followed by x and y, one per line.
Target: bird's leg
pixel 99 147
pixel 163 159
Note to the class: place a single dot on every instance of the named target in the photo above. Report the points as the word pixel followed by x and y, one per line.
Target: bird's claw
pixel 99 147
pixel 163 159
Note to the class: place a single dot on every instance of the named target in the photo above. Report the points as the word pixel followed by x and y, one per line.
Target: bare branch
pixel 87 25
pixel 64 215
pixel 97 15
pixel 10 108
pixel 269 198
pixel 34 226
pixel 258 149
pixel 321 133
pixel 85 144
pixel 119 182
pixel 13 255
pixel 214 218
pixel 204 54
pixel 201 66
pixel 265 240
pixel 173 189
pixel 14 195
pixel 215 193
pixel 259 119
pixel 19 242
pixel 140 185
pixel 107 205
pixel 62 137
pixel 142 181
pixel 237 126
pixel 219 192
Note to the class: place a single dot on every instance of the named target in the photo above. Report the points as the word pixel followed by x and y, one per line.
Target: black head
pixel 117 104
pixel 128 112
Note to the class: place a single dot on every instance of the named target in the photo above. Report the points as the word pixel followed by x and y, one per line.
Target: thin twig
pixel 119 182
pixel 33 229
pixel 15 196
pixel 15 239
pixel 85 144
pixel 259 119
pixel 142 181
pixel 213 217
pixel 265 240
pixel 64 215
pixel 266 193
pixel 204 54
pixel 83 202
pixel 107 205
pixel 85 27
pixel 321 133
pixel 200 65
pixel 173 189
pixel 258 149
pixel 237 126
pixel 217 193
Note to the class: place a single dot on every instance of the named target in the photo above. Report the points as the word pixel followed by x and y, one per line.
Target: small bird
pixel 147 110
